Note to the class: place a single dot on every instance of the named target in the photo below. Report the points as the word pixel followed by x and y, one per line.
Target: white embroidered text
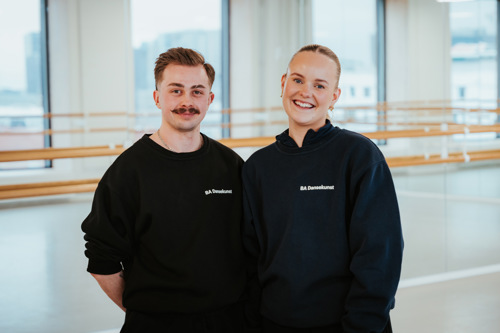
pixel 214 191
pixel 315 188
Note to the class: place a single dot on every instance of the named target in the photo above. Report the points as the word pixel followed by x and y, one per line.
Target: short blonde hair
pixel 323 50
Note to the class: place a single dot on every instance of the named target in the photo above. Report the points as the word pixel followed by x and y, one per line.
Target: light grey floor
pixel 451 223
pixel 43 282
pixel 459 306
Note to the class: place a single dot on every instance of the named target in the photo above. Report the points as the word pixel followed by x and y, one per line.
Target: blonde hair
pixel 316 48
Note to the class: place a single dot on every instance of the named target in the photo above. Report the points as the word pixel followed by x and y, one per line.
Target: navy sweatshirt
pixel 322 225
pixel 173 221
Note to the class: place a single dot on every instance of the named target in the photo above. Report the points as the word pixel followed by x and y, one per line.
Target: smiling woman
pixel 330 224
pixel 310 89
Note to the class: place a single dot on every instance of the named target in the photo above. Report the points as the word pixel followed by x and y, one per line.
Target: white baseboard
pixel 448 276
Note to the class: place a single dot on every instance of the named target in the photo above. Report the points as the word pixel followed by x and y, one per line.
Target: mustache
pixel 184 110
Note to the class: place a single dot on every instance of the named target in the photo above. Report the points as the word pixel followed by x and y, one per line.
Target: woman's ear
pixel 335 97
pixel 283 80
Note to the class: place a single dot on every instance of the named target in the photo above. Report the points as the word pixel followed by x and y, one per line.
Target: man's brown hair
pixel 181 56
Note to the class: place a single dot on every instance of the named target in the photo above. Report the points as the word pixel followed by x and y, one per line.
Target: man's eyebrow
pixel 180 85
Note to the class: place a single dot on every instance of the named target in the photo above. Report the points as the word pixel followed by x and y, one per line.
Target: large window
pixel 473 27
pixel 158 25
pixel 23 79
pixel 352 34
pixel 474 74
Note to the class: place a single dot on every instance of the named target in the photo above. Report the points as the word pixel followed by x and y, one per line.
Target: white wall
pixel 264 36
pixel 418 50
pixel 91 69
pixel 91 72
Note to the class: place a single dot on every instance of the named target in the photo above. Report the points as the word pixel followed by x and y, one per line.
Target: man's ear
pixel 156 97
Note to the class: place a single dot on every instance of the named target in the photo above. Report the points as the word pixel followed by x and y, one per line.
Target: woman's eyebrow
pixel 315 80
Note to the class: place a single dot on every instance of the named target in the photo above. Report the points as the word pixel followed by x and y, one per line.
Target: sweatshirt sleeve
pixel 376 247
pixel 252 252
pixel 108 230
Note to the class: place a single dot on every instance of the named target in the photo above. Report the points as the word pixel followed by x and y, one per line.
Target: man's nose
pixel 186 101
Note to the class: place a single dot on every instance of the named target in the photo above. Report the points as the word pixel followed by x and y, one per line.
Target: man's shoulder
pixel 129 153
pixel 224 150
pixel 131 157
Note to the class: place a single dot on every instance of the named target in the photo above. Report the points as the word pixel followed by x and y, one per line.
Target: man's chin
pixel 187 126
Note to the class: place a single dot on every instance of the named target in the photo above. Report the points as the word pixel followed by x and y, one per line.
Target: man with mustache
pixel 163 235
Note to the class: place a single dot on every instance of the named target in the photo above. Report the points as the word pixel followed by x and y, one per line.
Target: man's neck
pixel 178 142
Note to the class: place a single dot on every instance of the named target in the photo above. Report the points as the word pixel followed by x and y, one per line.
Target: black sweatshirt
pixel 174 222
pixel 322 224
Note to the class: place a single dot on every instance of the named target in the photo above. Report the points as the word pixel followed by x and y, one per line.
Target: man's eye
pixel 297 80
pixel 320 86
pixel 198 92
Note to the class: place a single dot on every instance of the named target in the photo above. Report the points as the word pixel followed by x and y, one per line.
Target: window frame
pixel 46 123
pixel 381 65
pixel 226 67
pixel 45 68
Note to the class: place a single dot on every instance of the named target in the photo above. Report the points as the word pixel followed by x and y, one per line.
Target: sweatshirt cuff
pixel 103 267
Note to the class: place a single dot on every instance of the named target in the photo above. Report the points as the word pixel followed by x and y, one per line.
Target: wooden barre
pixel 253 124
pixel 89 185
pixel 49 184
pixel 44 189
pixel 248 142
pixel 56 153
pixel 437 105
pixel 427 132
pixel 456 157
pixel 453 128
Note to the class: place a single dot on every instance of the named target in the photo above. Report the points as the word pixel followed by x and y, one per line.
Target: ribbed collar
pixel 178 156
pixel 311 137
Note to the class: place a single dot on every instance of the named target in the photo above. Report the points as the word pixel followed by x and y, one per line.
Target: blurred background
pixel 419 77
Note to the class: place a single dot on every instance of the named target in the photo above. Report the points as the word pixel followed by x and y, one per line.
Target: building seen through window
pixel 473 27
pixel 474 74
pixel 23 98
pixel 336 24
pixel 156 28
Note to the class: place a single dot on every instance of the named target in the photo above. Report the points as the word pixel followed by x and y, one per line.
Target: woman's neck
pixel 298 133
